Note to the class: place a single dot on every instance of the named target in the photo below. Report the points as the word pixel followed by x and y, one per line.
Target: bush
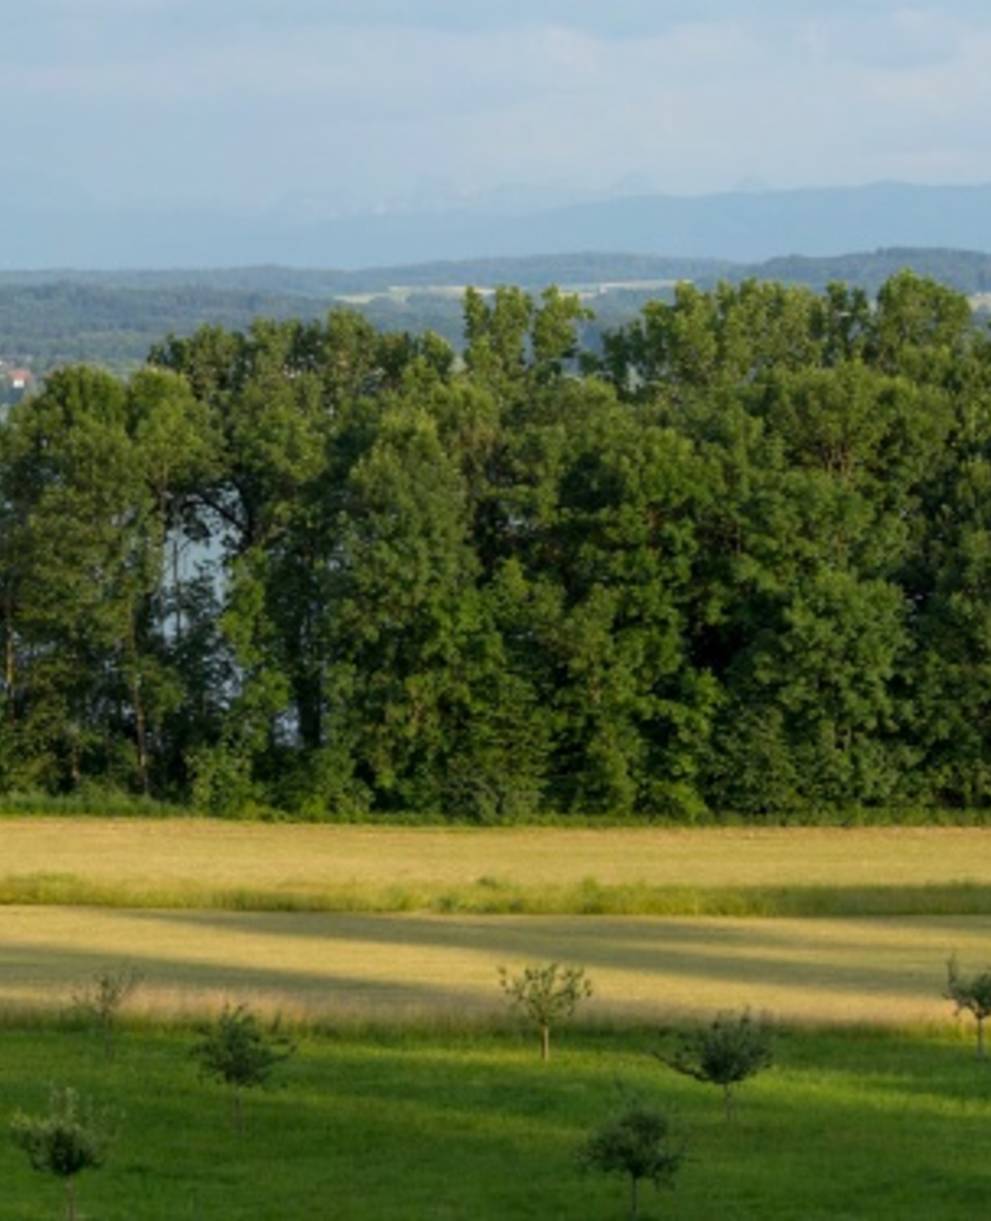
pixel 637 1144
pixel 71 1138
pixel 546 995
pixel 970 993
pixel 101 999
pixel 236 1051
pixel 727 1051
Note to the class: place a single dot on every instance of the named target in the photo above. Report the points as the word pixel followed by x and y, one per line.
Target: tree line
pixel 739 559
pixel 111 318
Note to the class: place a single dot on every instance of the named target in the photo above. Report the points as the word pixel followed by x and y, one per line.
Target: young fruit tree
pixel 725 1052
pixel 546 996
pixel 236 1051
pixel 636 1144
pixel 71 1138
pixel 971 993
pixel 101 999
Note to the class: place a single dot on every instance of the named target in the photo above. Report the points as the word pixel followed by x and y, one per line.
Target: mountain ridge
pixel 742 226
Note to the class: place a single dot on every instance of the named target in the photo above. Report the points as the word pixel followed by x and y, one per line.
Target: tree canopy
pixel 738 560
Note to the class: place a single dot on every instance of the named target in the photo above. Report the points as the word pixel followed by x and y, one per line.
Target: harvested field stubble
pixel 710 871
pixel 406 967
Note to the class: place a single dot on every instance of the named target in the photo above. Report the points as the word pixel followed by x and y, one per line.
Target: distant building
pixel 20 379
pixel 15 383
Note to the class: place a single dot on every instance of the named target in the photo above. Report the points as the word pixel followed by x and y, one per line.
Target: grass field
pixel 711 871
pixel 415 967
pixel 403 1127
pixel 415 1098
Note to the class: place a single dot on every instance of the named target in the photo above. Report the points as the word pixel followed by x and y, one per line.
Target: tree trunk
pixel 634 1198
pixel 75 771
pixel 140 734
pixel 137 701
pixel 980 1038
pixel 545 1042
pixel 728 1101
pixel 176 590
pixel 9 671
pixel 308 694
pixel 70 1200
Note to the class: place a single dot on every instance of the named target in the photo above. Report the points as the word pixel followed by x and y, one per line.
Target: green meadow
pixel 422 1127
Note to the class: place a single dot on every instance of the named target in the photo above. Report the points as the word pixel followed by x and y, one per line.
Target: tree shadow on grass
pixel 789 1154
pixel 427 1132
pixel 756 955
pixel 24 967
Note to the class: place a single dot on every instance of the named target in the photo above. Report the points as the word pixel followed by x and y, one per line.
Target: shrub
pixel 71 1138
pixel 546 995
pixel 636 1144
pixel 101 999
pixel 971 993
pixel 725 1052
pixel 236 1051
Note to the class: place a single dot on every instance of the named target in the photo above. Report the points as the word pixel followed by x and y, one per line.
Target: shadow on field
pixel 839 934
pixel 25 968
pixel 408 1127
pixel 756 954
pixel 856 1128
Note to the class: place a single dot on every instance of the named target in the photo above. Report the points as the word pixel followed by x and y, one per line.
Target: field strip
pixel 770 871
pixel 888 971
pixel 247 854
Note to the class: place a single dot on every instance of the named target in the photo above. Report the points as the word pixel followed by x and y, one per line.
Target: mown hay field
pixel 173 851
pixel 769 871
pixel 414 968
pixel 404 963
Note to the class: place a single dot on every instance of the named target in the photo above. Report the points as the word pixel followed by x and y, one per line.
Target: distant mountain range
pixel 738 226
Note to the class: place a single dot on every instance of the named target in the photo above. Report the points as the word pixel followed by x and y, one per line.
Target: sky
pixel 327 107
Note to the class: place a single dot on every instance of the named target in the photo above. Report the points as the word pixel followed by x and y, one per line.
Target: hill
pixel 112 318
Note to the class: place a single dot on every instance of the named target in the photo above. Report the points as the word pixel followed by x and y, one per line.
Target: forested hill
pixel 113 318
pixel 535 271
pixel 968 271
pixel 739 561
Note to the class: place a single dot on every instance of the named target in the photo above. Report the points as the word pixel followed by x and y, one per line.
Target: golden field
pixel 157 892
pixel 201 854
pixel 400 967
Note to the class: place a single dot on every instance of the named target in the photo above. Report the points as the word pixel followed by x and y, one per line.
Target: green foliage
pixel 970 993
pixel 546 995
pixel 221 781
pixel 113 318
pixel 728 1050
pixel 637 1144
pixel 489 895
pixel 737 562
pixel 70 1138
pixel 238 1052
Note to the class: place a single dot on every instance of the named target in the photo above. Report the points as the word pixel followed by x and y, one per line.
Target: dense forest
pixel 111 319
pixel 738 560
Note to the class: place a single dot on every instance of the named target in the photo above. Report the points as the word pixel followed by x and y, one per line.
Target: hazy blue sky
pixel 317 105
